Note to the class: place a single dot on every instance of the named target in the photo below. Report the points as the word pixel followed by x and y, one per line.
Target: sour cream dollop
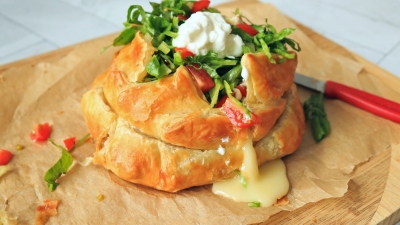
pixel 205 31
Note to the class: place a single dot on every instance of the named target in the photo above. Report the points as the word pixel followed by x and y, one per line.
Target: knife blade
pixel 374 104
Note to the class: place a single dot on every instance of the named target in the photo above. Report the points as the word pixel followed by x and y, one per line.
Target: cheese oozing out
pixel 265 184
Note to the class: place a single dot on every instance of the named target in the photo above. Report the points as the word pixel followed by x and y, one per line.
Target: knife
pixel 361 99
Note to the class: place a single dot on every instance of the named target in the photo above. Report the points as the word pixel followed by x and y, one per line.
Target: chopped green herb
pixel 254 204
pixel 266 50
pixel 242 178
pixel 214 92
pixel 232 76
pixel 247 49
pixel 315 112
pixel 164 47
pixel 156 68
pixel 234 100
pixel 126 36
pixel 81 141
pixel 62 165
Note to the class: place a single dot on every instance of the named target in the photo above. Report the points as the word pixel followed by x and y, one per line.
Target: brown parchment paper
pixel 50 91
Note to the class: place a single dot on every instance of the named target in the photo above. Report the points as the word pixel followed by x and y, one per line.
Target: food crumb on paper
pixel 282 201
pixel 7 219
pixel 100 197
pixel 44 211
pixel 19 147
pixel 4 169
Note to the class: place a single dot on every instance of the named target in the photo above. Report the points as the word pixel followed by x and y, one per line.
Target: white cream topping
pixel 205 31
pixel 245 73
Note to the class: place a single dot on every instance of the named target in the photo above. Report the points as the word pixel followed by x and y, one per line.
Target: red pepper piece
pixel 247 28
pixel 238 116
pixel 69 143
pixel 5 157
pixel 200 5
pixel 41 132
pixel 184 52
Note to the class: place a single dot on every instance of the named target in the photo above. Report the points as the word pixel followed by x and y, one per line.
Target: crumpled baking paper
pixel 48 88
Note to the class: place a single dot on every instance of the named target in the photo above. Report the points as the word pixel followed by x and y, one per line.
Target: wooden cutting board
pixel 373 195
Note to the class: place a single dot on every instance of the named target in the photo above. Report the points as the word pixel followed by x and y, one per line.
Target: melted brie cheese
pixel 249 166
pixel 265 184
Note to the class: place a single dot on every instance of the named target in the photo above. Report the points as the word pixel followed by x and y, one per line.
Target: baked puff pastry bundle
pixel 187 91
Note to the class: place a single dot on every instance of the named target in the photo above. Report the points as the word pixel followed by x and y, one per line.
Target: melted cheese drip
pixel 265 184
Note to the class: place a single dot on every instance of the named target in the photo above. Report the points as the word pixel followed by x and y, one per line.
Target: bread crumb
pixel 282 201
pixel 45 210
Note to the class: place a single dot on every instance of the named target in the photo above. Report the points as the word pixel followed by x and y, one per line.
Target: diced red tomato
pixel 202 78
pixel 182 17
pixel 200 5
pixel 242 90
pixel 69 143
pixel 5 157
pixel 247 28
pixel 184 52
pixel 238 116
pixel 41 132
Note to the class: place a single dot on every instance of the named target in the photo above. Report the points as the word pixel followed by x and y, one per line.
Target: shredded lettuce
pixel 162 24
pixel 62 165
pixel 242 178
pixel 254 204
pixel 157 67
pixel 214 92
pixel 58 169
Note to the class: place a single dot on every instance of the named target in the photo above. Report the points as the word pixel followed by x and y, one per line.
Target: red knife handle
pixel 369 102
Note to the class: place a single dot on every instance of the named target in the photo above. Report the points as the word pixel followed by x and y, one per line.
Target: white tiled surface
pixel 370 28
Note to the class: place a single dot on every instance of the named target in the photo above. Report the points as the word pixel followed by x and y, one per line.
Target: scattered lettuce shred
pixel 62 165
pixel 234 100
pixel 242 178
pixel 254 204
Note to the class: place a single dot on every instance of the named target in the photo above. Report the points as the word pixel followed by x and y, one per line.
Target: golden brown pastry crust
pixel 163 134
